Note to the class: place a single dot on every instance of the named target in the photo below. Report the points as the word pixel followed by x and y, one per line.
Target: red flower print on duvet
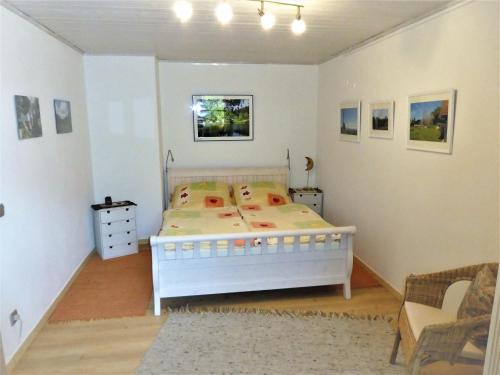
pixel 251 207
pixel 226 215
pixel 263 224
pixel 275 199
pixel 211 201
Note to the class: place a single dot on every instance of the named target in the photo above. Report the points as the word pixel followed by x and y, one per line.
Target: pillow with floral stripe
pixel 205 194
pixel 263 193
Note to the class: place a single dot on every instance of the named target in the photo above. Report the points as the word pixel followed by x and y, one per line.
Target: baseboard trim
pixel 380 279
pixel 45 318
pixel 144 241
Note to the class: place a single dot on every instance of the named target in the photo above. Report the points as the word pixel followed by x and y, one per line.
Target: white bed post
pixel 347 238
pixel 155 271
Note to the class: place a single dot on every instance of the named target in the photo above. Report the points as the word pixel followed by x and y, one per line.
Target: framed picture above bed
pixel 431 121
pixel 350 121
pixel 222 117
pixel 382 120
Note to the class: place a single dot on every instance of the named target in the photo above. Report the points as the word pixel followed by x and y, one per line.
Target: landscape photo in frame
pixel 350 121
pixel 62 112
pixel 29 123
pixel 431 121
pixel 222 117
pixel 382 120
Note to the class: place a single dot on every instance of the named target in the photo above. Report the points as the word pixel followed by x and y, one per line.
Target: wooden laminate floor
pixel 116 346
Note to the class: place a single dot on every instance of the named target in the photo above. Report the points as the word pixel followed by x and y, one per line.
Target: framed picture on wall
pixel 62 111
pixel 382 120
pixel 29 123
pixel 350 121
pixel 431 121
pixel 222 117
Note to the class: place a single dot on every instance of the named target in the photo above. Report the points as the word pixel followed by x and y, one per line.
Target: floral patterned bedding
pixel 183 222
pixel 242 219
pixel 291 216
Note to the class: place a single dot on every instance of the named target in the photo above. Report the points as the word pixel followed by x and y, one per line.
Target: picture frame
pixel 431 120
pixel 382 120
pixel 350 121
pixel 62 113
pixel 29 123
pixel 222 118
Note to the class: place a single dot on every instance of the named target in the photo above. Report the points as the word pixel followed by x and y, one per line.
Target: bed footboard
pixel 238 262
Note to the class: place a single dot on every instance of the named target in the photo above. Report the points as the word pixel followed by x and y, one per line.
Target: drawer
pixel 111 240
pixel 307 198
pixel 116 214
pixel 117 226
pixel 120 250
pixel 316 207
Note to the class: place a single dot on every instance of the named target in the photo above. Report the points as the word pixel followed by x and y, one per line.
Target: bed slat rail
pixel 318 239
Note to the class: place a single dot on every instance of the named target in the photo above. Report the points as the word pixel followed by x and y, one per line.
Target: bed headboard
pixel 176 176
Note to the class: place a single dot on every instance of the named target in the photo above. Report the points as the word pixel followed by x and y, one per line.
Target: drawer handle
pixel 109 223
pixel 128 232
pixel 109 235
pixel 130 243
pixel 300 195
pixel 315 195
pixel 126 209
pixel 314 204
pixel 111 247
pixel 128 221
pixel 108 211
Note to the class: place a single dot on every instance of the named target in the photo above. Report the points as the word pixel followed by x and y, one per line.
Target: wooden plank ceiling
pixel 140 27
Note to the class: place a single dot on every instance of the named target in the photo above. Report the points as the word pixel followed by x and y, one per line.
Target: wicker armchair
pixel 445 341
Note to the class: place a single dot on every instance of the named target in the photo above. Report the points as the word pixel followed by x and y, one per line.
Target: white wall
pixel 284 99
pixel 124 134
pixel 2 356
pixel 417 211
pixel 46 182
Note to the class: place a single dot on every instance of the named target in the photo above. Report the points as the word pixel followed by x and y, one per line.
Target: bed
pixel 232 249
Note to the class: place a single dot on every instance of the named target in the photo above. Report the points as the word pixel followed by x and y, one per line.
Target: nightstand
pixel 115 230
pixel 311 197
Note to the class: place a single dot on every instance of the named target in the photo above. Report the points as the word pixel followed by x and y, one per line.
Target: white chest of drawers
pixel 313 198
pixel 115 229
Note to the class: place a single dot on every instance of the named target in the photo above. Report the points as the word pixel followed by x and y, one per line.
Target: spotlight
pixel 183 10
pixel 298 24
pixel 224 13
pixel 267 20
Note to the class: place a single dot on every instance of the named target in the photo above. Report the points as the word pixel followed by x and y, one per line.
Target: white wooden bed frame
pixel 284 265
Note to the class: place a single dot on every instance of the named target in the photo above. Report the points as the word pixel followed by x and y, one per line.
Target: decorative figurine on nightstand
pixel 115 228
pixel 309 167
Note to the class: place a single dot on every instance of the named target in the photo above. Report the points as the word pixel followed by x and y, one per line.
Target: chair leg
pixel 414 366
pixel 395 348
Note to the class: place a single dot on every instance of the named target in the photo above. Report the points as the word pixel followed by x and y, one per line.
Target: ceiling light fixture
pixel 298 24
pixel 267 20
pixel 183 10
pixel 224 13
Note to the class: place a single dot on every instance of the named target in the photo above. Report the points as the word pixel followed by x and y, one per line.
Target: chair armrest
pixel 426 291
pixel 429 289
pixel 446 341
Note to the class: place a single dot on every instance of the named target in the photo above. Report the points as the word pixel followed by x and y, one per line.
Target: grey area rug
pixel 270 343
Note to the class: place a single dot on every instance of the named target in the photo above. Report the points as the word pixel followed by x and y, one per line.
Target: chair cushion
pixel 454 296
pixel 420 316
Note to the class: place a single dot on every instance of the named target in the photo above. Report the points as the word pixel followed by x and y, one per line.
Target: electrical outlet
pixel 14 317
